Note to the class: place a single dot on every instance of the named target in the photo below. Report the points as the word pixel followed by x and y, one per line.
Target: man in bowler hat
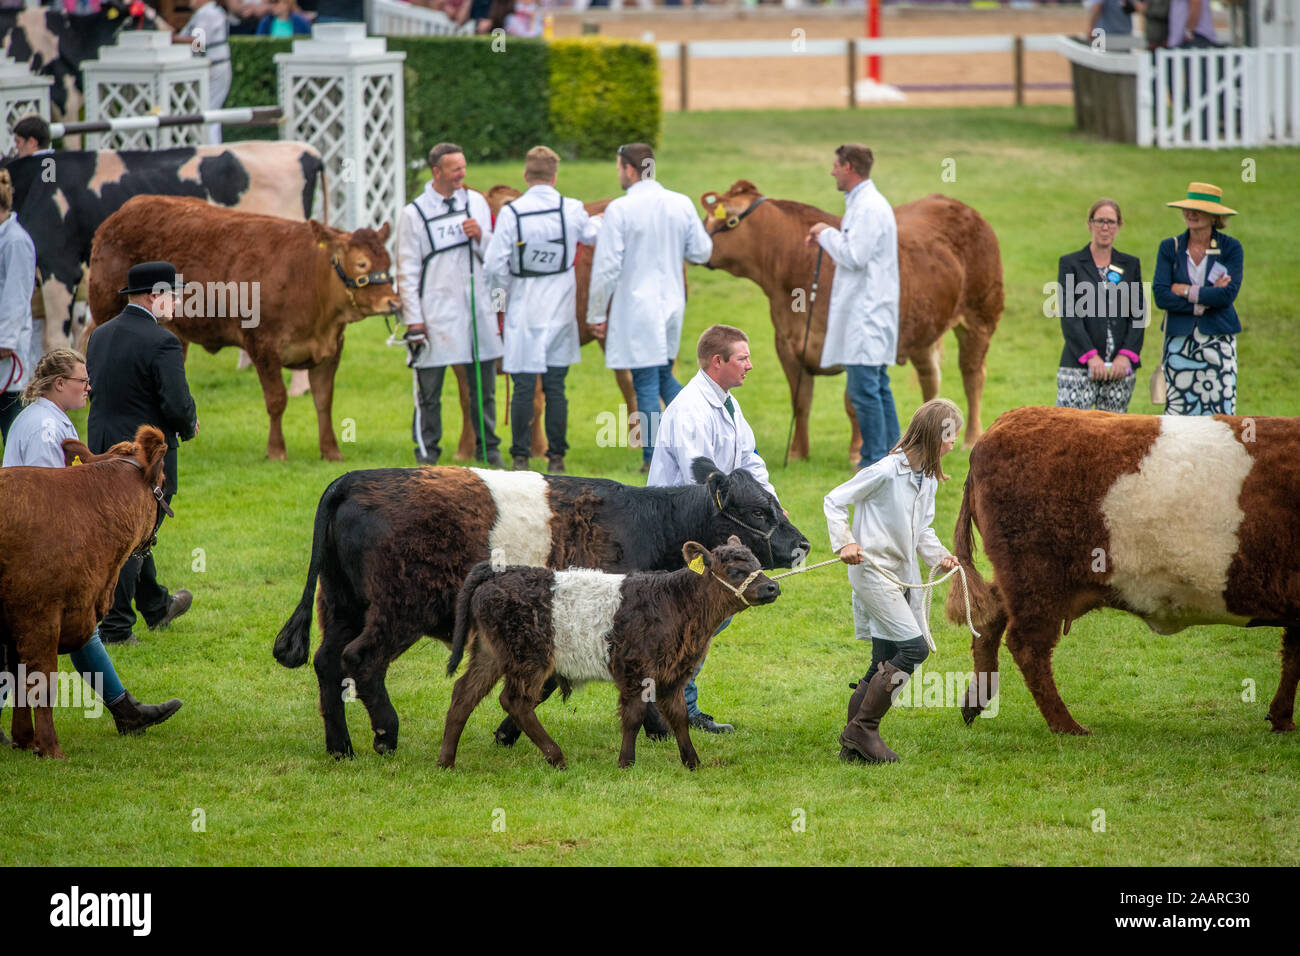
pixel 137 374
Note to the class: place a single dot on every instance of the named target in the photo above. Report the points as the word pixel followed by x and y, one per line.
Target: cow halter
pixel 740 591
pixel 360 282
pixel 733 221
pixel 163 509
pixel 765 535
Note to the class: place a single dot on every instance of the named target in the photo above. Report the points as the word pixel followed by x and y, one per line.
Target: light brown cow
pixel 1178 520
pixel 305 281
pixel 950 273
pixel 90 517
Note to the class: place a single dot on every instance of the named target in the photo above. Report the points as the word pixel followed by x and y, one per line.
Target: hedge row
pixel 496 97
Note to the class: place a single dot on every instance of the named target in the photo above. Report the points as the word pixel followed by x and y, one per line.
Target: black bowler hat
pixel 147 276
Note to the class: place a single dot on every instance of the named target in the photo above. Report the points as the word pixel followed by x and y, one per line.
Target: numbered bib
pixel 543 257
pixel 448 232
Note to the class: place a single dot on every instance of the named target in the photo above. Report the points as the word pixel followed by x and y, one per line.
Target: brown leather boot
pixel 847 754
pixel 862 733
pixel 132 717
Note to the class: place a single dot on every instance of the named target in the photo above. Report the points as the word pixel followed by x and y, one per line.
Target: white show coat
pixel 444 307
pixel 17 279
pixel 862 324
pixel 541 326
pixel 696 423
pixel 638 263
pixel 36 437
pixel 891 523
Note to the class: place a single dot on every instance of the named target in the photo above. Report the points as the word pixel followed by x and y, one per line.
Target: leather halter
pixel 360 282
pixel 733 221
pixel 163 509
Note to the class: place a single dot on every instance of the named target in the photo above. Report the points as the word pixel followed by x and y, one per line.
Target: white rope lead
pixel 927 587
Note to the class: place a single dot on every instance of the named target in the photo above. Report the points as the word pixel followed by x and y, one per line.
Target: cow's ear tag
pixel 697 564
pixel 112 13
pixel 76 459
pixel 719 212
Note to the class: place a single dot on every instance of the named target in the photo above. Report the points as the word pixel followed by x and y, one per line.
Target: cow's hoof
pixel 277 455
pixel 447 764
pixel 1281 725
pixel 384 746
pixel 968 714
pixel 506 735
pixel 558 762
pixel 342 754
pixel 1074 729
pixel 332 455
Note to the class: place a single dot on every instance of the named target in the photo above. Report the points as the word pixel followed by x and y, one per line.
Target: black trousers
pixel 426 427
pixel 137 583
pixel 11 403
pixel 557 411
pixel 905 655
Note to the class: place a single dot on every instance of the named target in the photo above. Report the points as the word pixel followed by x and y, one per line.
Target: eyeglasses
pixel 84 381
pixel 1105 223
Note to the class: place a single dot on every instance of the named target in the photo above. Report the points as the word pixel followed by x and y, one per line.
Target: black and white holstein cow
pixel 62 198
pixel 646 631
pixel 392 547
pixel 1177 520
pixel 55 43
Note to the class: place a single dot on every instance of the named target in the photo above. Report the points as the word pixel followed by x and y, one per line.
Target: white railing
pixel 396 18
pixel 1227 97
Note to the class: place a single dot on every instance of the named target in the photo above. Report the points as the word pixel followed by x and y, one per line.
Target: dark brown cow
pixel 950 273
pixel 1178 520
pixel 647 632
pixel 92 517
pixel 304 281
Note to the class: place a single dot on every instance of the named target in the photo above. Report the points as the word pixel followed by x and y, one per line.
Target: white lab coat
pixel 444 307
pixel 17 279
pixel 541 327
pixel 638 264
pixel 696 423
pixel 862 325
pixel 891 523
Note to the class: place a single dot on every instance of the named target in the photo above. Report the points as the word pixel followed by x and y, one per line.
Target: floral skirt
pixel 1201 374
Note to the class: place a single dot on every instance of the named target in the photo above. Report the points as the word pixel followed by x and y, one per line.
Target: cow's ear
pixel 322 234
pixel 709 200
pixel 742 186
pixel 718 484
pixel 151 450
pixel 734 541
pixel 697 556
pixel 383 232
pixel 75 451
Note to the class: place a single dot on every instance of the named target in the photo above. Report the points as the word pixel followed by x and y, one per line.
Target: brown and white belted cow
pixel 1178 520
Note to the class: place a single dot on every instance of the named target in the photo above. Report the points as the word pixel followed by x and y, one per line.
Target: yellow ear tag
pixel 111 13
pixel 76 459
pixel 719 212
pixel 697 564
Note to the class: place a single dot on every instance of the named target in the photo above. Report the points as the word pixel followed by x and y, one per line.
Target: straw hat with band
pixel 1206 198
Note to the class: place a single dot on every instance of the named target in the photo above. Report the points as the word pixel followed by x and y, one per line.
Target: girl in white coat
pixel 893 503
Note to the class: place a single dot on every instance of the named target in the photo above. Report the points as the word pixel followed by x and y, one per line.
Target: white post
pixel 143 73
pixel 1145 99
pixel 22 92
pixel 341 91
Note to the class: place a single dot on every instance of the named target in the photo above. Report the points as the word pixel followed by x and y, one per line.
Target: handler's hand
pixel 1222 281
pixel 472 229
pixel 1120 367
pixel 851 553
pixel 598 330
pixel 6 353
pixel 948 563
pixel 1097 368
pixel 419 329
pixel 813 231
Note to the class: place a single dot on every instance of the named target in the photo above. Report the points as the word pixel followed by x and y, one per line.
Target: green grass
pixel 1184 769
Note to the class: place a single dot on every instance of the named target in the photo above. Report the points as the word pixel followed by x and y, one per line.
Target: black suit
pixel 1086 332
pixel 137 372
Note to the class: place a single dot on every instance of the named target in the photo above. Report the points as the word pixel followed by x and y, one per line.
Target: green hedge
pixel 496 97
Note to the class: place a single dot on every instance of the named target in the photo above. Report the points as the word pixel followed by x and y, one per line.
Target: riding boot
pixel 132 717
pixel 847 754
pixel 862 735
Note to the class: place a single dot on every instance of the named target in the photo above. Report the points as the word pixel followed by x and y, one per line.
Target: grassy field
pixel 1181 766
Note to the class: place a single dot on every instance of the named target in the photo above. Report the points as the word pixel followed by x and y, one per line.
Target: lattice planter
pixel 21 94
pixel 342 92
pixel 143 74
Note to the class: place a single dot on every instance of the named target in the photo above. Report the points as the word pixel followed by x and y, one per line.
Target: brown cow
pixel 96 515
pixel 950 273
pixel 304 282
pixel 1178 520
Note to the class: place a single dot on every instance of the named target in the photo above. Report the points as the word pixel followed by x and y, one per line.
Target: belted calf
pixel 647 632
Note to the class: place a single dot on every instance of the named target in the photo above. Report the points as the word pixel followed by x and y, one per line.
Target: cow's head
pixel 741 506
pixel 498 196
pixel 361 264
pixel 736 567
pixel 148 451
pixel 725 212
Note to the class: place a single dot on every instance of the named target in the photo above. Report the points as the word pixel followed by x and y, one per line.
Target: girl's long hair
pixel 935 422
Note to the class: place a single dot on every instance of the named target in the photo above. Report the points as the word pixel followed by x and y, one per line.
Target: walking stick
pixel 812 302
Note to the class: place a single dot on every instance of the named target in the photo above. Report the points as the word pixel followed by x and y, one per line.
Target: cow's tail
pixel 465 613
pixel 291 644
pixel 985 603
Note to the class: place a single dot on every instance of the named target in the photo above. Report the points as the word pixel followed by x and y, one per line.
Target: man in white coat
pixel 862 327
pixel 529 265
pixel 637 275
pixel 705 419
pixel 441 239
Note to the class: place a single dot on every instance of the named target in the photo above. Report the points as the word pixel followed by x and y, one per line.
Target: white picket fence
pixel 394 18
pixel 1227 97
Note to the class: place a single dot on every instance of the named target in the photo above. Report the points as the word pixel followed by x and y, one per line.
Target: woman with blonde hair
pixel 893 508
pixel 59 385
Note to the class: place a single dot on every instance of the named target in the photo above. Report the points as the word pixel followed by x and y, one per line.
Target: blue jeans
pixel 873 404
pixel 689 691
pixel 652 384
pixel 90 660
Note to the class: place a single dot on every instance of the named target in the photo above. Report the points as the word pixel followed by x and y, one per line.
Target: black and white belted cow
pixel 392 547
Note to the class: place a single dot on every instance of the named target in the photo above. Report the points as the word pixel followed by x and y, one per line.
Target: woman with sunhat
pixel 1198 275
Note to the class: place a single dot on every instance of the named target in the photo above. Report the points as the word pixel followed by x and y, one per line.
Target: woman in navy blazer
pixel 1102 318
pixel 1198 276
